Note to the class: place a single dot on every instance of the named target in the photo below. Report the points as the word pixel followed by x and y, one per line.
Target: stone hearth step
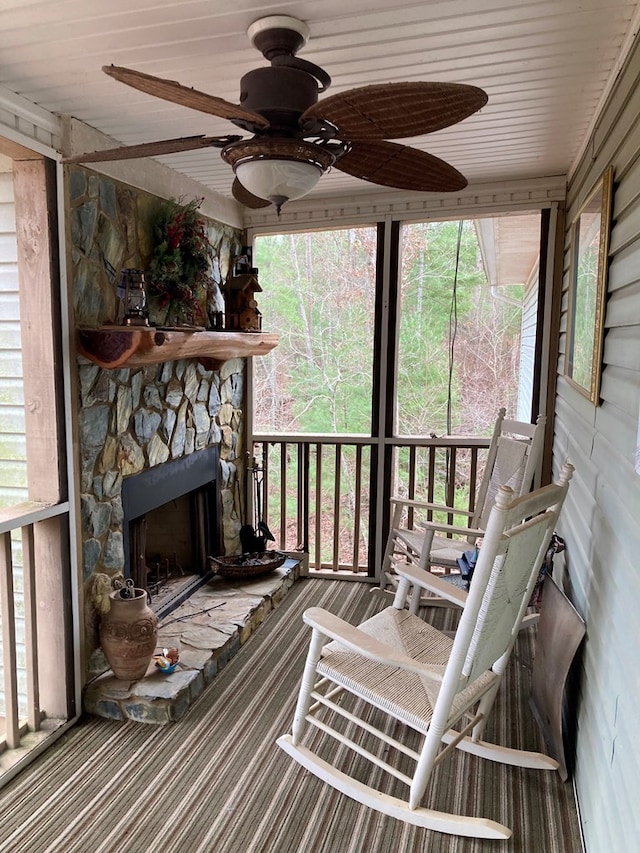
pixel 208 630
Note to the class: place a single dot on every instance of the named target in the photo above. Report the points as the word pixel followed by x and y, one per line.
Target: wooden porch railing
pixel 329 495
pixel 19 641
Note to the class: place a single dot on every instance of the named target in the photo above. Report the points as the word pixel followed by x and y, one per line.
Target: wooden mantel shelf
pixel 115 346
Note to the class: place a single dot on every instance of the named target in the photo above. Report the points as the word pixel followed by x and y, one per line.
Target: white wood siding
pixel 528 352
pixel 13 477
pixel 601 518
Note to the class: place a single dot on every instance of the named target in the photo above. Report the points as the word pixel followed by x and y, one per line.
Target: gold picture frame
pixel 590 232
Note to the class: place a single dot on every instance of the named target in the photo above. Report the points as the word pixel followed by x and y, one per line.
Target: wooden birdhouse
pixel 241 308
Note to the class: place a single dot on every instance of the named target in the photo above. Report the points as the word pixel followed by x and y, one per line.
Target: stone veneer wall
pixel 131 420
pixel 134 419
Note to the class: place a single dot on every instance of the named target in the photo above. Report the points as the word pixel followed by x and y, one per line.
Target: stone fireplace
pixel 174 428
pixel 153 422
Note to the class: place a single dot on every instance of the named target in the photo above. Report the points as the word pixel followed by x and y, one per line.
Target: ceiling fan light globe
pixel 282 179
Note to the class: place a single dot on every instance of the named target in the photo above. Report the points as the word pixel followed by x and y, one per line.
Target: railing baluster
pixel 304 510
pixel 300 491
pixel 319 513
pixel 30 620
pixel 336 508
pixel 355 566
pixel 412 483
pixel 431 481
pixel 264 464
pixel 451 482
pixel 7 608
pixel 283 492
pixel 473 476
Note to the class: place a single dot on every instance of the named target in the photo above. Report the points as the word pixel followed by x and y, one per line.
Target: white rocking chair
pixel 512 460
pixel 398 664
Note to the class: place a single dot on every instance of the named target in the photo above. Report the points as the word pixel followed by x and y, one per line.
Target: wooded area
pixel 319 296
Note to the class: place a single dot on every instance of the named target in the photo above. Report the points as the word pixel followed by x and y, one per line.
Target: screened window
pixel 319 296
pixel 461 299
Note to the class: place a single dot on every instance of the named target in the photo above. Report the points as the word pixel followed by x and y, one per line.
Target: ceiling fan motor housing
pixel 280 94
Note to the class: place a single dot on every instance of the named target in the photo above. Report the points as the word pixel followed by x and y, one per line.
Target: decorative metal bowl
pixel 247 565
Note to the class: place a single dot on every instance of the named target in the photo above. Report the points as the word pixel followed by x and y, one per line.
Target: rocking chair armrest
pixel 416 504
pixel 429 582
pixel 361 643
pixel 437 527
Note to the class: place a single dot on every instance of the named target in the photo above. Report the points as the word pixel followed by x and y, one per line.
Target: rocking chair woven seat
pixel 408 696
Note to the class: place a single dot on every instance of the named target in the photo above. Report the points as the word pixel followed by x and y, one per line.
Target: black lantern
pixel 131 290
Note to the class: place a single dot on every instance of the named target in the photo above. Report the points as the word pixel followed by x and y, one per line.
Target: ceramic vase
pixel 129 633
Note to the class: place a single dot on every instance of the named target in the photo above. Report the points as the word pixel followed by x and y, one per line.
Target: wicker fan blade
pixel 246 198
pixel 153 149
pixel 401 167
pixel 397 110
pixel 169 90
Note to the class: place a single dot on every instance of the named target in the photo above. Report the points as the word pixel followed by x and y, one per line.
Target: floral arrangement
pixel 180 268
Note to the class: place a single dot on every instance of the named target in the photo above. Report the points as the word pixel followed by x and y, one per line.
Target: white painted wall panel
pixel 527 352
pixel 601 519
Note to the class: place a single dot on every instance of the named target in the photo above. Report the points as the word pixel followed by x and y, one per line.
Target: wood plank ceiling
pixel 545 65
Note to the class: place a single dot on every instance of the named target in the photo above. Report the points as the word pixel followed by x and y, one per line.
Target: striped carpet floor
pixel 216 782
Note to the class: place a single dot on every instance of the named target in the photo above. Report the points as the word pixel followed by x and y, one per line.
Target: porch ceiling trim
pixel 487 198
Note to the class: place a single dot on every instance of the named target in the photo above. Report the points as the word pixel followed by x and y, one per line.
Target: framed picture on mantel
pixel 588 289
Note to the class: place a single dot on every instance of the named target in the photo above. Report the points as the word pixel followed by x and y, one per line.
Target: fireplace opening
pixel 171 526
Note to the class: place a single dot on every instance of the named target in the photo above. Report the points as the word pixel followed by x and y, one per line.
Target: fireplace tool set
pixel 255 538
pixel 255 558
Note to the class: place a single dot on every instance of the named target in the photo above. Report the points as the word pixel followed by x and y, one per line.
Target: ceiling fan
pixel 296 137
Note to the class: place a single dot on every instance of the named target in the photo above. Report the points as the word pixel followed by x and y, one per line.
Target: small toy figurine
pixel 167 661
